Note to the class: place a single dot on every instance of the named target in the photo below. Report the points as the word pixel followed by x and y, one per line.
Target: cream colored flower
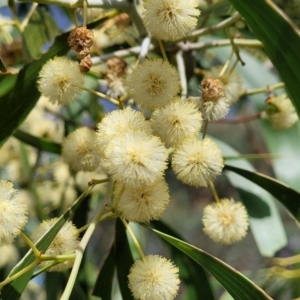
pixel 213 103
pixel 145 203
pixel 79 151
pixel 225 222
pixel 83 178
pixel 196 162
pixel 136 159
pixel 176 121
pixel 13 213
pixel 154 277
pixel 170 20
pixel 9 255
pixel 117 123
pixel 281 113
pixel 66 240
pixel 153 83
pixel 59 80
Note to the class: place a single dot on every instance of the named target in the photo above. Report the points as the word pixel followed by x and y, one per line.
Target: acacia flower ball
pixel 225 222
pixel 154 277
pixel 145 203
pixel 176 121
pixel 170 20
pixel 13 213
pixel 196 162
pixel 214 104
pixel 117 123
pixel 153 83
pixel 65 241
pixel 79 151
pixel 136 159
pixel 59 79
pixel 281 113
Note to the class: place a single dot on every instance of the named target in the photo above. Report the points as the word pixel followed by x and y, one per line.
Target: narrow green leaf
pixel 263 213
pixel 104 281
pixel 190 273
pixel 123 258
pixel 14 290
pixel 286 195
pixel 239 286
pixel 43 144
pixel 16 105
pixel 40 30
pixel 280 37
pixel 7 82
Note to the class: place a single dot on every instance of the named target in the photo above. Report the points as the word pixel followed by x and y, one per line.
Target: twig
pixel 182 74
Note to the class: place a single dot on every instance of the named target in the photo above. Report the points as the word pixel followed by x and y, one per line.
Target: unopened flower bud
pixel 85 64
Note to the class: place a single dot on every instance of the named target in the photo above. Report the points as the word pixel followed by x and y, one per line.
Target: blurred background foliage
pixel 32 131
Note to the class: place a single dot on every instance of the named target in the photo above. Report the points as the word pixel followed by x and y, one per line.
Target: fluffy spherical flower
pixel 153 83
pixel 66 240
pixel 154 277
pixel 281 113
pixel 170 20
pixel 176 121
pixel 196 162
pixel 145 203
pixel 117 123
pixel 79 151
pixel 136 159
pixel 225 222
pixel 59 80
pixel 13 213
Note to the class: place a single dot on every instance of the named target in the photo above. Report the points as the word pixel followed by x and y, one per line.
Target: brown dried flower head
pixel 212 89
pixel 85 64
pixel 116 67
pixel 80 39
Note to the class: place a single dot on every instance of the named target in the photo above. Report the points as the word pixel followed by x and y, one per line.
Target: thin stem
pixel 97 181
pixel 18 274
pixel 225 67
pixel 135 241
pixel 234 46
pixel 28 241
pixel 84 13
pixel 208 30
pixel 205 128
pixel 145 45
pixel 12 6
pixel 182 74
pixel 112 100
pixel 213 190
pixel 253 156
pixel 79 254
pixel 116 202
pixel 285 261
pixel 278 85
pixel 29 14
pixel 240 120
pixel 162 50
pixel 61 258
pixel 231 70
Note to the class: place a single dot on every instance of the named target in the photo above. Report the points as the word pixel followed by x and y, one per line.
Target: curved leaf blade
pixel 280 37
pixel 14 289
pixel 104 281
pixel 286 195
pixel 239 286
pixel 190 273
pixel 124 259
